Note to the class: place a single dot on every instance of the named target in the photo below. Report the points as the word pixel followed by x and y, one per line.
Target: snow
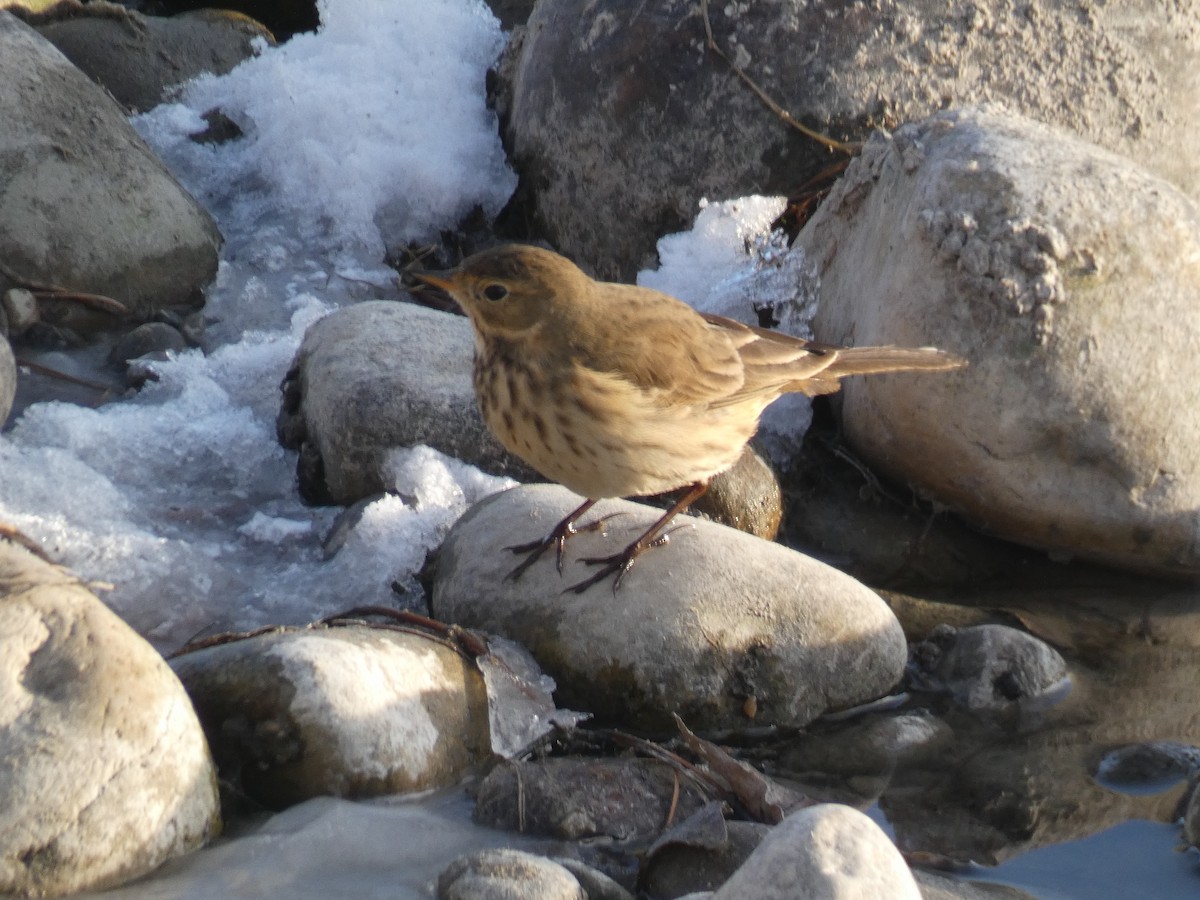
pixel 731 264
pixel 370 132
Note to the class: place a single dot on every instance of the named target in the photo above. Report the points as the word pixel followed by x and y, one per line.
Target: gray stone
pixel 620 123
pixel 348 711
pixel 152 337
pixel 1068 277
pixel 139 59
pixel 380 375
pixel 507 875
pixel 573 798
pixel 20 309
pixel 703 626
pixel 987 666
pixel 826 851
pixel 106 773
pixel 84 203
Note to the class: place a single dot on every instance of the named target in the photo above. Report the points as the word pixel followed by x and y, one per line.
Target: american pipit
pixel 614 390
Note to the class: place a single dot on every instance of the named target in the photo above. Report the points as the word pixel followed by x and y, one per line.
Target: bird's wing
pixel 662 347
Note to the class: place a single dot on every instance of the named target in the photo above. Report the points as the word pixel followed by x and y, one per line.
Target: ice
pixel 371 131
pixel 730 263
pixel 333 848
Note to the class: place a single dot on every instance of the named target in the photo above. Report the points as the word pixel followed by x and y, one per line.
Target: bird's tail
pixel 874 361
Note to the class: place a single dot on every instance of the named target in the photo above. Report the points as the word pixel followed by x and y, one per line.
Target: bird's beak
pixel 436 279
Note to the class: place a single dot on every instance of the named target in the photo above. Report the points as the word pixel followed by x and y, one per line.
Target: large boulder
pixel 1068 276
pixel 84 203
pixel 106 772
pixel 619 123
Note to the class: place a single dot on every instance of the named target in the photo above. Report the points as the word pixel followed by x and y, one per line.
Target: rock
pixel 1068 277
pixel 620 124
pixel 106 774
pixel 1191 818
pixel 1148 766
pixel 84 203
pixel 139 59
pixel 873 746
pixel 699 854
pixel 380 375
pixel 833 851
pixel 8 379
pixel 152 337
pixel 988 667
pixel 702 626
pixel 504 874
pixel 348 711
pixel 746 497
pixel 575 799
pixel 19 308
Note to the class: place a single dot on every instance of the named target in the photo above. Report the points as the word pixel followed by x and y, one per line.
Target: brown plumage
pixel 615 390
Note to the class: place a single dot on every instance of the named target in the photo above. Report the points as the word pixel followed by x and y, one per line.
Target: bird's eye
pixel 495 292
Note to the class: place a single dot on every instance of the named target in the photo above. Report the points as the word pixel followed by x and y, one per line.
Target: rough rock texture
pixel 139 59
pixel 347 711
pixel 711 625
pixel 834 851
pixel 620 120
pixel 105 771
pixel 1068 277
pixel 84 203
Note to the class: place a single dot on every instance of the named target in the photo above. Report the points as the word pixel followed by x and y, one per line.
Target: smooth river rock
pixel 725 629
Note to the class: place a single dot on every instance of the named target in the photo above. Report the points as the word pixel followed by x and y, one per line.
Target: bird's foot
pixel 619 563
pixel 557 539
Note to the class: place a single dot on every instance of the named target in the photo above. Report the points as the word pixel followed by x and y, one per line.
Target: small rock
pixel 699 854
pixel 697 627
pixel 622 798
pixel 348 711
pixel 20 309
pixel 833 851
pixel 987 666
pixel 106 774
pixel 152 337
pixel 1148 766
pixel 746 497
pixel 507 875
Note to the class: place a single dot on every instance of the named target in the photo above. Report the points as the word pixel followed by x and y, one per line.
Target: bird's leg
pixel 556 538
pixel 622 562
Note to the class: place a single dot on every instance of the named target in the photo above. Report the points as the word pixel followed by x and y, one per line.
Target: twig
pixel 849 148
pixel 63 376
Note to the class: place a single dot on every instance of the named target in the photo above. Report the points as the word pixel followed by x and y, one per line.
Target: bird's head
pixel 511 290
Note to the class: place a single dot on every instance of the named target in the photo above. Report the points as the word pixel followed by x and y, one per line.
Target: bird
pixel 617 390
